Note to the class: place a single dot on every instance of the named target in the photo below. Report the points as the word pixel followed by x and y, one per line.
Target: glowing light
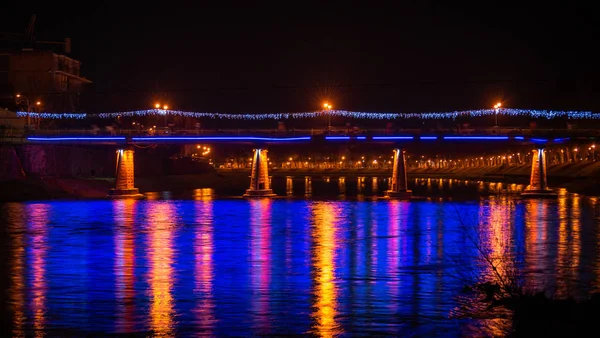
pixel 547 114
pixel 337 137
pixel 222 138
pixel 475 137
pixel 393 137
pixel 120 138
pixel 361 137
pixel 428 137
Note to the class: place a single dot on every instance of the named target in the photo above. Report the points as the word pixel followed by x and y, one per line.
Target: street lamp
pixel 328 107
pixel 497 107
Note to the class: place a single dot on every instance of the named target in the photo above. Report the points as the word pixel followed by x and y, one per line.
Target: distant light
pixel 222 138
pixel 165 107
pixel 120 138
pixel 475 137
pixel 393 137
pixel 38 103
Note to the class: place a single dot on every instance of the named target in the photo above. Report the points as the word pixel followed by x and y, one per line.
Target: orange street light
pixel 38 103
pixel 165 107
pixel 157 105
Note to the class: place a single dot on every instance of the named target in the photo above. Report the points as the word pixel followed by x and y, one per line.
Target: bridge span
pixel 260 180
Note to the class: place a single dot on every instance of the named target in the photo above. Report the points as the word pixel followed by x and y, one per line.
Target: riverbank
pixel 582 178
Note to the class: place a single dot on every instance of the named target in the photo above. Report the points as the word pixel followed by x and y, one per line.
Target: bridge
pixel 259 179
pixel 399 139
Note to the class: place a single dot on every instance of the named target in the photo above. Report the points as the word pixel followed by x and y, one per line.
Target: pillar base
pixel 259 193
pixel 539 194
pixel 401 195
pixel 124 193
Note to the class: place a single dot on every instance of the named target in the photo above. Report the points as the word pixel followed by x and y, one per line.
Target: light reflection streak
pixel 260 247
pixel 393 254
pixel 562 245
pixel 17 290
pixel 124 214
pixel 161 216
pixel 289 186
pixel 535 242
pixel 204 264
pixel 498 240
pixel 39 248
pixel 323 270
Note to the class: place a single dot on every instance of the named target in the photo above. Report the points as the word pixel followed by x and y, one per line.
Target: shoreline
pixel 581 178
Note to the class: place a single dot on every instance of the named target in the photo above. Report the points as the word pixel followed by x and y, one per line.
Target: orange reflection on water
pixel 38 214
pixel 260 248
pixel 535 240
pixel 204 267
pixel 498 239
pixel 161 217
pixel 323 270
pixel 17 263
pixel 124 215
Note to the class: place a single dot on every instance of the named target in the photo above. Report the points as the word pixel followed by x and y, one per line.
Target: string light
pixel 547 114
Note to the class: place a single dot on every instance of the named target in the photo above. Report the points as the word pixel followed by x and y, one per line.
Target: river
pixel 318 261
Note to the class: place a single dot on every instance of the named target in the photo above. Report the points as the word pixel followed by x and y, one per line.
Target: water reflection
pixel 342 185
pixel 289 185
pixel 284 266
pixel 260 271
pixel 38 230
pixel 323 229
pixel 204 264
pixel 307 186
pixel 17 291
pixel 161 216
pixel 124 215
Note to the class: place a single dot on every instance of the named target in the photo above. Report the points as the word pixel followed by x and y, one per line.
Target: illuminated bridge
pixel 463 129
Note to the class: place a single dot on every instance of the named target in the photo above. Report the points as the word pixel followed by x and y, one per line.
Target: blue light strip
pixel 475 137
pixel 561 139
pixel 76 138
pixel 222 138
pixel 519 138
pixel 539 140
pixel 428 137
pixel 393 137
pixel 337 137
pixel 361 137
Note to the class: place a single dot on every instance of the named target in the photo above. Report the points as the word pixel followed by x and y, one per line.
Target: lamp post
pixel 497 107
pixel 165 107
pixel 327 106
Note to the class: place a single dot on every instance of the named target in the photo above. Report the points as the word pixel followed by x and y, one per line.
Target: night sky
pixel 412 58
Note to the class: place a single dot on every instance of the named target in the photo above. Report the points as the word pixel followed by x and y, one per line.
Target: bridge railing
pixel 19 133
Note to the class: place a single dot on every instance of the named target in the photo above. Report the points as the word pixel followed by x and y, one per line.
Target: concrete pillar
pixel 538 184
pixel 260 185
pixel 399 182
pixel 124 186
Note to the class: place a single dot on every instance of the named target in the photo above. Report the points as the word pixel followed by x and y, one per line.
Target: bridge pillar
pixel 124 179
pixel 399 183
pixel 260 185
pixel 538 184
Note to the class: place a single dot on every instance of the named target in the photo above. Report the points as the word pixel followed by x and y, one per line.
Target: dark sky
pixel 410 58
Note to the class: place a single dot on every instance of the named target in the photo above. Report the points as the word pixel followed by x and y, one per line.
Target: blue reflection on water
pixel 258 267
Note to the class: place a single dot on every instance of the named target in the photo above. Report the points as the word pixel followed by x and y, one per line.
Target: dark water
pixel 211 266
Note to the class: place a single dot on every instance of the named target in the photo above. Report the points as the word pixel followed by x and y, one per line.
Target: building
pixel 44 80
